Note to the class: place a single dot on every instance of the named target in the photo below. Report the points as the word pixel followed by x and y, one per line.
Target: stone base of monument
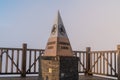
pixel 58 68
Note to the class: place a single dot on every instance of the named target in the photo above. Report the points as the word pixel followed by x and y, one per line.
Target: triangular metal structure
pixel 58 42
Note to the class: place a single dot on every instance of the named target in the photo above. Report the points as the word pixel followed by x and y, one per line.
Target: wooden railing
pixel 26 61
pixel 8 60
pixel 104 63
pixel 19 60
pixel 99 62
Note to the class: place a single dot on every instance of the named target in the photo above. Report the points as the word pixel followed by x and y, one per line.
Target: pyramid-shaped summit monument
pixel 58 43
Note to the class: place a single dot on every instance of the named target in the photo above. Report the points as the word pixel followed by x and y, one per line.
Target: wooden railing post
pixel 118 60
pixel 23 74
pixel 88 61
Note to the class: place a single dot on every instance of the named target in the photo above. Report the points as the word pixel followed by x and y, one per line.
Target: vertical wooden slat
pixel 30 62
pixel 100 62
pixel 83 61
pixel 6 67
pixel 17 60
pixel 115 63
pixel 80 61
pixel 34 61
pixel 12 61
pixel 107 64
pixel 97 62
pixel 103 63
pixel 94 62
pixel 91 58
pixel 111 63
pixel 23 74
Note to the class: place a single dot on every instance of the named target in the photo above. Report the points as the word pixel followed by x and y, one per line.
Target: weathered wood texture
pixel 104 63
pixel 19 60
pixel 88 61
pixel 23 74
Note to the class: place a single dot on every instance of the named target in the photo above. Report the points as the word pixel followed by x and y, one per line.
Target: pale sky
pixel 89 23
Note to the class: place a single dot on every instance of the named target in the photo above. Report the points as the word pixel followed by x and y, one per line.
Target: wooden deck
pixel 37 78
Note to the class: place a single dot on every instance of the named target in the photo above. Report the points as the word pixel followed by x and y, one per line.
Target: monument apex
pixel 58 43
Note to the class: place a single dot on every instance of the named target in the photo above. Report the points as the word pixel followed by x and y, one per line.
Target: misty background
pixel 89 23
